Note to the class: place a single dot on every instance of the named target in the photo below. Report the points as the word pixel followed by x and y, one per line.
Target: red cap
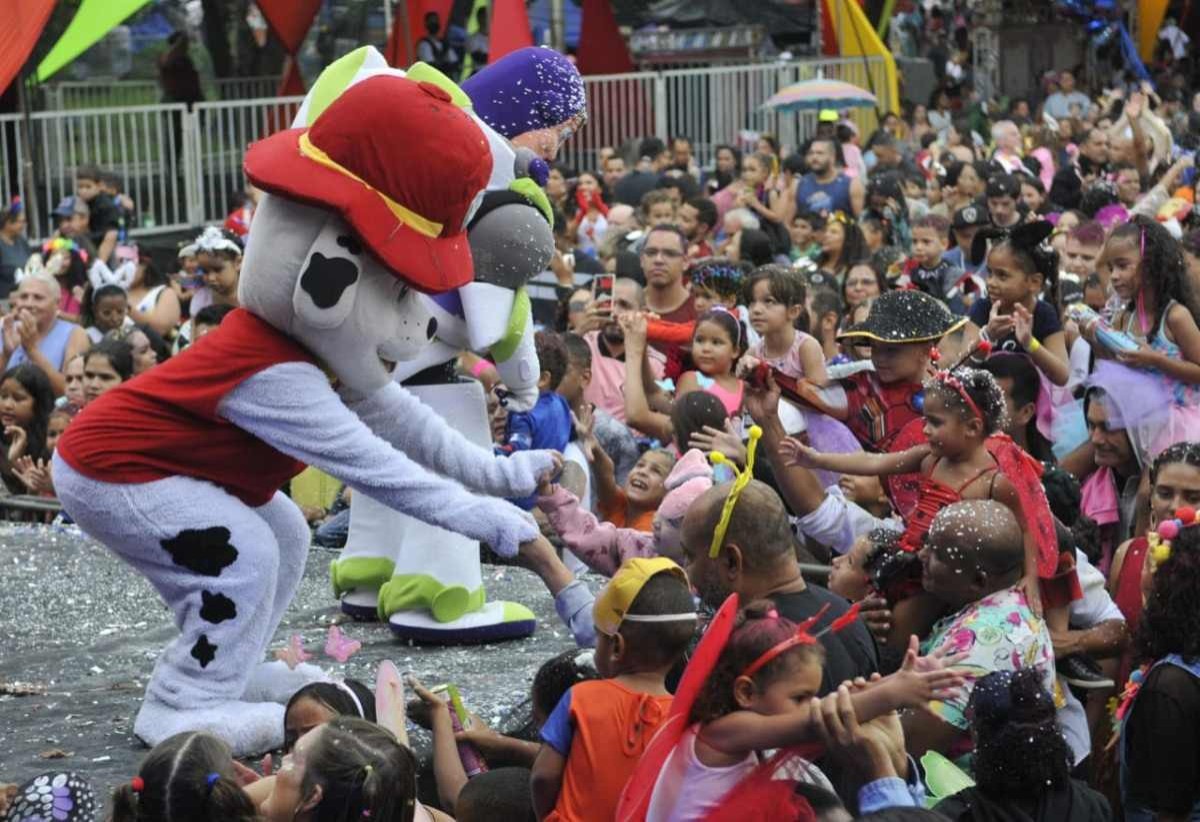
pixel 400 163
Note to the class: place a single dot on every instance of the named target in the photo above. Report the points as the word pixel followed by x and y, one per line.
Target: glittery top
pixel 527 90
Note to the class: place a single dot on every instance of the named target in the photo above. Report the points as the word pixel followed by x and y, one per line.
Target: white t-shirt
pixel 587 501
pixel 687 789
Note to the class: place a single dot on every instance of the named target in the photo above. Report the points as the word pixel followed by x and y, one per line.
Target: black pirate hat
pixel 904 317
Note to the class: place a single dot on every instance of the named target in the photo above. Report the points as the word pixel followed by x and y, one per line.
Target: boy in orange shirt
pixel 645 618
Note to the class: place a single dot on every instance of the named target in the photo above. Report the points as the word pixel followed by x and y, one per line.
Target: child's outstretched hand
pixel 633 323
pixel 939 660
pixel 796 452
pixel 762 403
pixel 727 441
pixel 17 439
pixel 921 679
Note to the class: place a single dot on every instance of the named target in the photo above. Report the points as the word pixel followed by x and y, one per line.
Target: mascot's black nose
pixel 432 329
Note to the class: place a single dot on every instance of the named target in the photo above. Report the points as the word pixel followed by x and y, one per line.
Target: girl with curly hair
pixel 967 457
pixel 1022 761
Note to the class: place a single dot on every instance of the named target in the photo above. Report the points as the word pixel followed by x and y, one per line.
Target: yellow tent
pixel 856 37
pixel 1150 20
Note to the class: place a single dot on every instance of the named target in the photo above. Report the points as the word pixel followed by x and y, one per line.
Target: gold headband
pixel 742 479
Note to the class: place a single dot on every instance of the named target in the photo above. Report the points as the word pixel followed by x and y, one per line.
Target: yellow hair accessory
pixel 742 479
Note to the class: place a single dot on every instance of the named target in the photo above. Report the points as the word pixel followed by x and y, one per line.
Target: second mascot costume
pixel 177 470
pixel 424 580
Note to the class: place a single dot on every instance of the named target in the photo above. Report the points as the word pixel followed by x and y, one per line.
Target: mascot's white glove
pixel 292 407
pixel 420 432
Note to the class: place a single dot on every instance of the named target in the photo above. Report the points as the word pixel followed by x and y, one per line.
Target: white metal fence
pixel 182 167
pixel 72 94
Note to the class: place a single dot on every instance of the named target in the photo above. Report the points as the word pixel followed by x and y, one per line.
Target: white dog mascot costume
pixel 177 471
pixel 424 580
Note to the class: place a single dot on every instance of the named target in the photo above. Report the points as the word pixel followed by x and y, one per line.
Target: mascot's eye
pixel 402 293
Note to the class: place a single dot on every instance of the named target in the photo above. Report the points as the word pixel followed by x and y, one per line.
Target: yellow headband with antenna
pixel 742 479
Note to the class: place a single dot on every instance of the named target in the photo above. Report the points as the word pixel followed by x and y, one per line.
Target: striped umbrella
pixel 819 94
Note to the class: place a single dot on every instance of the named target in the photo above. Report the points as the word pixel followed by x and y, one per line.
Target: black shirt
pixel 850 652
pixel 1163 742
pixel 633 186
pixel 1045 324
pixel 105 217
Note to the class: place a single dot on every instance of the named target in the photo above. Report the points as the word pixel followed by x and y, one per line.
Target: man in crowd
pixel 664 262
pixel 826 189
pixel 697 218
pixel 1070 180
pixel 613 171
pixel 1067 101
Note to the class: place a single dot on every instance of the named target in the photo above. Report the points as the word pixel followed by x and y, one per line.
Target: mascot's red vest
pixel 164 423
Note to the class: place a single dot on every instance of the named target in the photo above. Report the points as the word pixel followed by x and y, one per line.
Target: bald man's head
pixel 756 541
pixel 759 538
pixel 973 548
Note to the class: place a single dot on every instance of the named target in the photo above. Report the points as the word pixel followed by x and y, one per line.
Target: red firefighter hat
pixel 400 162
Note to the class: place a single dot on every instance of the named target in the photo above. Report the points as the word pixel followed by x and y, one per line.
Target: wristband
pixel 983 335
pixel 1034 345
pixel 480 366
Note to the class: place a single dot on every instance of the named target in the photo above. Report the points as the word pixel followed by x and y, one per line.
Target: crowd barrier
pixel 72 94
pixel 181 166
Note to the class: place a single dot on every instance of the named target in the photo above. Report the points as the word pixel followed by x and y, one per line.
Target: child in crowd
pixel 319 702
pixel 762 695
pixel 594 427
pixel 805 227
pixel 658 208
pixel 218 259
pixel 106 365
pixel 152 301
pixel 967 457
pixel 208 318
pixel 72 398
pixel 34 472
pixel 346 769
pixel 647 406
pixel 1013 317
pixel 645 619
pixel 26 400
pixel 927 270
pixel 554 678
pixel 716 282
pixel 883 405
pixel 548 423
pixel 603 546
pixel 634 504
pixel 104 220
pixel 1146 270
pixel 717 344
pixel 189 776
pixel 106 310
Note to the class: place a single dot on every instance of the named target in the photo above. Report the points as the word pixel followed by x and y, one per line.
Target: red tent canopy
pixel 602 49
pixel 509 28
pixel 23 24
pixel 290 20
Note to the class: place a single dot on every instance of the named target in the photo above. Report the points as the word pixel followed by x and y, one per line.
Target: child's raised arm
pixel 1050 354
pixel 860 463
pixel 600 545
pixel 919 680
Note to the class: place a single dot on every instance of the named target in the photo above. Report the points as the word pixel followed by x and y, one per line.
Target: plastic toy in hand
pixel 1115 341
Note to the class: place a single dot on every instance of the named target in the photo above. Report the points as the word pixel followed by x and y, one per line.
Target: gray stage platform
pixel 84 630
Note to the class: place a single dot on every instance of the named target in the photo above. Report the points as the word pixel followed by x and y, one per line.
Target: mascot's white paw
pixel 276 682
pixel 249 728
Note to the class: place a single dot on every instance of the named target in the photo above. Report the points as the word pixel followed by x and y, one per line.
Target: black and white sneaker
pixel 1082 672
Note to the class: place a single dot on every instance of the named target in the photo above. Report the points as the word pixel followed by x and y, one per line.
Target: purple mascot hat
pixel 533 96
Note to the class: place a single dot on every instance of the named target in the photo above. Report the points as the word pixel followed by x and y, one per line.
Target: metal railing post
pixel 660 106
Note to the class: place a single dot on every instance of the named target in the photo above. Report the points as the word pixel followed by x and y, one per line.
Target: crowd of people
pixel 956 360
